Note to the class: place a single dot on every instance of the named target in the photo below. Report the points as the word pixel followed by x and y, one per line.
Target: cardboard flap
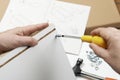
pixel 3 6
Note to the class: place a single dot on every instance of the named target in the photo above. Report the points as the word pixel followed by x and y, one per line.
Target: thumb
pixel 27 41
pixel 101 52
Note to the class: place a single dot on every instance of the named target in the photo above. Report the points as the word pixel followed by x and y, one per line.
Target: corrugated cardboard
pixel 3 7
pixel 118 4
pixel 103 13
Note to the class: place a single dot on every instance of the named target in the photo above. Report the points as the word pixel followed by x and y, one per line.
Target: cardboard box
pixel 118 4
pixel 3 7
pixel 103 13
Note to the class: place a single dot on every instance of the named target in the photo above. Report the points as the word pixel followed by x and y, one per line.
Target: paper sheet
pixel 25 12
pixel 69 19
pixel 92 63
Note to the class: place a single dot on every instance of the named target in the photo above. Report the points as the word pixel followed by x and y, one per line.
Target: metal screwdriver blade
pixel 68 36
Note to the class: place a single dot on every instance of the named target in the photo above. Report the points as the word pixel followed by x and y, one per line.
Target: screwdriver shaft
pixel 68 36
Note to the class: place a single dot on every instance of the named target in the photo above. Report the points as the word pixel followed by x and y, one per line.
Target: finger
pixel 26 41
pixel 96 31
pixel 33 28
pixel 106 33
pixel 100 31
pixel 101 52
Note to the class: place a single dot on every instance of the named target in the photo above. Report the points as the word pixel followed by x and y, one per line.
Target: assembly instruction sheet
pixel 68 18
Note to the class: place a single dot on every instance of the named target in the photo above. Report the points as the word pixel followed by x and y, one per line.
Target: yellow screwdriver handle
pixel 94 39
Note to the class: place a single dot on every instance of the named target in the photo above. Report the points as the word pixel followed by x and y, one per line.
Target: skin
pixel 112 53
pixel 19 36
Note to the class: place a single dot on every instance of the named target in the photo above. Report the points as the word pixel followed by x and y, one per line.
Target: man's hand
pixel 112 54
pixel 19 37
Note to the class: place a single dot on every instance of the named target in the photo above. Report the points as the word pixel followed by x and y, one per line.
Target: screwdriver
pixel 88 38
